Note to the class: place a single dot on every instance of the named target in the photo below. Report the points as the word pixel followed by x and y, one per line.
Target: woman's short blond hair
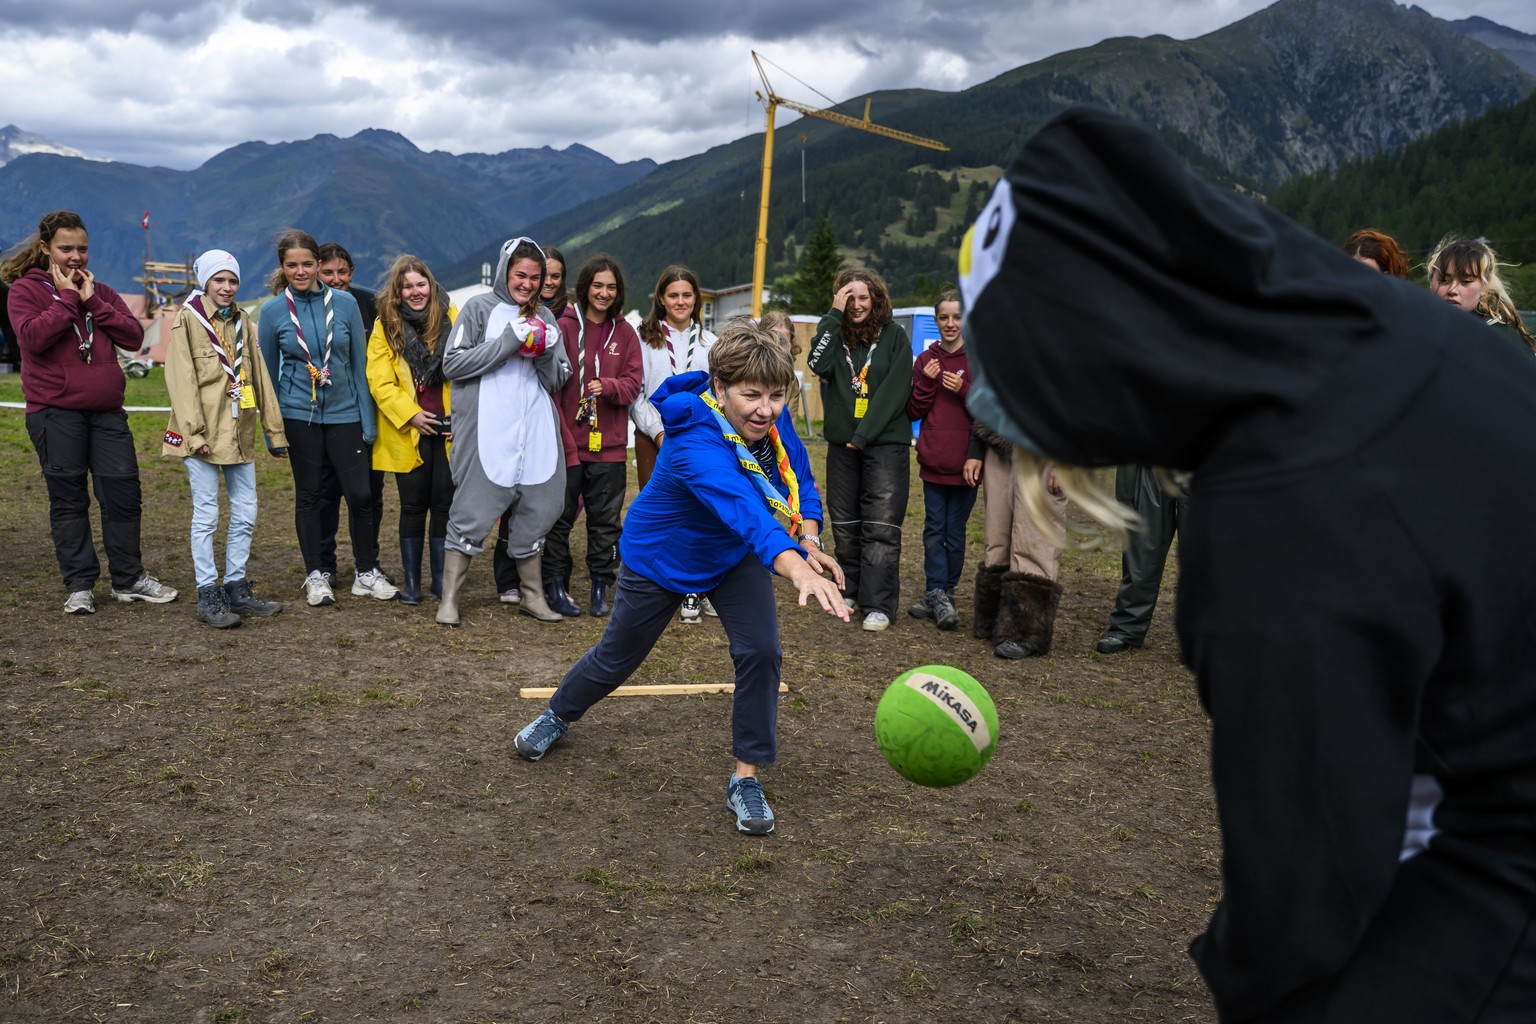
pixel 747 354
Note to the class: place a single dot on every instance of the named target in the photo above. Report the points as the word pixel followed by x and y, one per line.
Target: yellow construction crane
pixel 773 101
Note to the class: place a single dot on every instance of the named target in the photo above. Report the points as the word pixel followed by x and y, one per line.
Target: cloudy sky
pixel 172 82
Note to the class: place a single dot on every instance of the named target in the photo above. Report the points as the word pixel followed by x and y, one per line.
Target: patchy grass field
pixel 317 817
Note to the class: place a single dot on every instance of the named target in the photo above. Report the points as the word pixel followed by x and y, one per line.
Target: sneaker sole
pixel 692 622
pixel 511 600
pixel 749 830
pixel 870 627
pixel 530 754
pixel 80 611
pixel 130 598
pixel 358 591
pixel 321 603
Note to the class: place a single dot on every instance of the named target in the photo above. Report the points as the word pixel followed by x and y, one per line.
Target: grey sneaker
pixel 708 608
pixel 923 608
pixel 539 735
pixel 875 622
pixel 944 612
pixel 213 607
pixel 373 584
pixel 745 799
pixel 692 606
pixel 80 602
pixel 147 588
pixel 317 589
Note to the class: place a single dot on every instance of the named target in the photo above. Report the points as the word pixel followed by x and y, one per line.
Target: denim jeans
pixel 643 609
pixel 240 481
pixel 866 500
pixel 946 510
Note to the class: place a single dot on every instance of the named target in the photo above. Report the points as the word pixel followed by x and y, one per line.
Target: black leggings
pixel 428 487
pixel 312 447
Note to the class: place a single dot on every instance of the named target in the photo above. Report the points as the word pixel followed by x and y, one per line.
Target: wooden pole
pixel 645 690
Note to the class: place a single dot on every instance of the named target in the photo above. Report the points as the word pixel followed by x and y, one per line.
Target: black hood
pixel 1120 309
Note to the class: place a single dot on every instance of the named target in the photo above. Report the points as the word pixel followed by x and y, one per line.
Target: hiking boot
pixel 876 622
pixel 539 735
pixel 80 602
pixel 707 608
pixel 373 584
pixel 923 608
pixel 317 589
pixel 243 601
pixel 1013 651
pixel 147 588
pixel 213 607
pixel 944 612
pixel 510 596
pixel 692 607
pixel 745 799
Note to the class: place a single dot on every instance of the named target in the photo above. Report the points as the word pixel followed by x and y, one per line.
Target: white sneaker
pixel 373 584
pixel 146 588
pixel 511 596
pixel 850 604
pixel 690 609
pixel 709 609
pixel 80 602
pixel 317 589
pixel 874 622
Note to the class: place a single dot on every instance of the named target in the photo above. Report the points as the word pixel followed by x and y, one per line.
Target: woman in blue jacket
pixel 316 350
pixel 705 525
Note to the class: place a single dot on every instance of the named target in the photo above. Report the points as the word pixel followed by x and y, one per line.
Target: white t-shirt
pixel 689 351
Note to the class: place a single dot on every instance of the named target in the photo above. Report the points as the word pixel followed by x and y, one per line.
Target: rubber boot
pixel 455 568
pixel 435 549
pixel 601 606
pixel 529 573
pixel 560 599
pixel 410 569
pixel 989 586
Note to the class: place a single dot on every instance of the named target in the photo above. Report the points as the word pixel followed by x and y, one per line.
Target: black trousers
pixel 1146 550
pixel 427 488
pixel 600 486
pixel 74 443
pixel 866 501
pixel 312 449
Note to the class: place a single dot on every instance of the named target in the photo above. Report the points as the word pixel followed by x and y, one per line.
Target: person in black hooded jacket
pixel 1358 577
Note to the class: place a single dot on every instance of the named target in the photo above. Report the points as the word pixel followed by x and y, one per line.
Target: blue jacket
pixel 347 400
pixel 700 515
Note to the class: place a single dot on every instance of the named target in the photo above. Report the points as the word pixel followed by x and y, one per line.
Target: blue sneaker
pixel 539 735
pixel 745 798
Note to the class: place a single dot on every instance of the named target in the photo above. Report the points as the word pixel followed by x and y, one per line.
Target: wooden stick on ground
pixel 647 690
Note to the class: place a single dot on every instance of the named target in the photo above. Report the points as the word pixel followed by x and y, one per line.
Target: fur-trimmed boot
pixel 989 583
pixel 1026 616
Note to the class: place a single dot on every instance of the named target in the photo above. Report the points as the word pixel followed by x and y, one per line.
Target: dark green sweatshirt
pixel 889 381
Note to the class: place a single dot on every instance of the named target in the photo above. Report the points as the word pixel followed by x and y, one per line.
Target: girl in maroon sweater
pixel 606 376
pixel 70 327
pixel 940 381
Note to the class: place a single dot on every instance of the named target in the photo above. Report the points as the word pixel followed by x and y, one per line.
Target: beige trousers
pixel 1011 539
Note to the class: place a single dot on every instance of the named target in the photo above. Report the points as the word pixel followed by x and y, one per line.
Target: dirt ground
pixel 317 817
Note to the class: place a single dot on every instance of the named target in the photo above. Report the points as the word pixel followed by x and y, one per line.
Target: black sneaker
pixel 923 608
pixel 243 601
pixel 213 607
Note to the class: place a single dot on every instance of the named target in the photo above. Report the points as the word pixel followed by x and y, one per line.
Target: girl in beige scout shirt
pixel 219 391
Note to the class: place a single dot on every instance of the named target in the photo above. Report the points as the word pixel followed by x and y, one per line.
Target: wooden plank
pixel 647 690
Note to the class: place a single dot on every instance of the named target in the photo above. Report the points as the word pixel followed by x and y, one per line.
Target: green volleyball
pixel 936 725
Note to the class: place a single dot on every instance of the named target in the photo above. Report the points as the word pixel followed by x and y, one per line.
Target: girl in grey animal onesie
pixel 504 359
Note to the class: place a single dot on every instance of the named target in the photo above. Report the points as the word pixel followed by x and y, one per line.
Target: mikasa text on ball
pixel 936 725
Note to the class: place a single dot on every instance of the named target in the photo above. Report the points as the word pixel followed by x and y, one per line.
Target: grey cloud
pixel 172 19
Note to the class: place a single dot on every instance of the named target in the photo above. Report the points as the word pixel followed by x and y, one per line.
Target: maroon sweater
pixel 946 432
pixel 617 366
pixel 52 373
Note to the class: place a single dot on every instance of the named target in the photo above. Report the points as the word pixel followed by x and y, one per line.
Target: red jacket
pixel 946 431
pixel 53 376
pixel 612 356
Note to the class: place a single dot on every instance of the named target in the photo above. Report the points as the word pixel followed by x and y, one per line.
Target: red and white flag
pixel 145 222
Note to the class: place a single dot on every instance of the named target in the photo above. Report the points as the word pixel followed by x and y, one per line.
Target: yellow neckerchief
pixel 754 470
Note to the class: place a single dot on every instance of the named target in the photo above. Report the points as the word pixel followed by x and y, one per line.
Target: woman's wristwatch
pixel 812 538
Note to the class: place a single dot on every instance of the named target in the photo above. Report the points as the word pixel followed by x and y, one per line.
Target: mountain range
pixel 1300 87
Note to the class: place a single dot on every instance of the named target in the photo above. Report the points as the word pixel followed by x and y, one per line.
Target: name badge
pixel 247 397
pixel 860 407
pixel 595 441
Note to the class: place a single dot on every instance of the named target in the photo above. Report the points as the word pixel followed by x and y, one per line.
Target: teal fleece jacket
pixel 347 400
pixel 889 380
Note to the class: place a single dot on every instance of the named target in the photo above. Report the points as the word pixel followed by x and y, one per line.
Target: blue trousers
pixel 643 609
pixel 946 510
pixel 240 481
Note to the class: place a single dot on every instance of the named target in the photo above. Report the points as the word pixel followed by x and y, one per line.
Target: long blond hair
pixel 390 303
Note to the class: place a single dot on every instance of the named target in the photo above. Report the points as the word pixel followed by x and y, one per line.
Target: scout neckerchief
pixel 319 376
pixel 860 379
pixel 754 469
pixel 87 339
pixel 235 371
pixel 586 410
pixel 694 330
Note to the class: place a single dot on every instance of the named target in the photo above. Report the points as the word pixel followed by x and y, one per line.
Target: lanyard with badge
pixel 860 380
pixel 586 411
pixel 240 393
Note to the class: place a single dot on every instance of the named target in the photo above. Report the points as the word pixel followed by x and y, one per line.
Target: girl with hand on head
pixel 605 379
pixel 69 327
pixel 220 394
pixel 405 376
pixel 864 360
pixel 316 351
